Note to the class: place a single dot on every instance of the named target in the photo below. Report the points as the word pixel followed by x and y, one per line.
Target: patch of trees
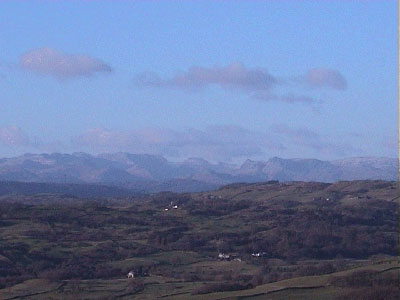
pixel 57 240
pixel 368 285
pixel 222 287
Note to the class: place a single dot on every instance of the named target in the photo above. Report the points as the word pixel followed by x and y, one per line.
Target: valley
pixel 263 240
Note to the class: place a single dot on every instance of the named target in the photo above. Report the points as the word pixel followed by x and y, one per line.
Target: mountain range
pixel 152 173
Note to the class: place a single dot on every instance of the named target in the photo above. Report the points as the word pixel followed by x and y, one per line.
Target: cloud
pixel 2 68
pixel 301 136
pixel 257 83
pixel 214 143
pixel 391 143
pixel 227 143
pixel 61 65
pixel 289 98
pixel 320 77
pixel 233 76
pixel 309 139
pixel 13 136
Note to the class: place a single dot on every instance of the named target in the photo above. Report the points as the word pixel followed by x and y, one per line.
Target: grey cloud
pixel 309 139
pixel 13 136
pixel 52 62
pixel 233 76
pixel 215 143
pixel 320 77
pixel 212 143
pixel 289 98
pixel 2 68
pixel 391 142
pixel 302 136
pixel 256 82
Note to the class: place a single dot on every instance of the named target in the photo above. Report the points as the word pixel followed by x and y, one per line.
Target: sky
pixel 221 80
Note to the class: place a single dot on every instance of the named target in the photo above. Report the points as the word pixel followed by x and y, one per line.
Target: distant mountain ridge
pixel 152 173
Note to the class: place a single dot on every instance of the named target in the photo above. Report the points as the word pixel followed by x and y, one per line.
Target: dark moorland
pixel 270 240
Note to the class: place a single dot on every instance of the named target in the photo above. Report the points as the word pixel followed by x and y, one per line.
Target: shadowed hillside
pixel 261 240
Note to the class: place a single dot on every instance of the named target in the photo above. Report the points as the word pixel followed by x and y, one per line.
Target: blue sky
pixel 222 80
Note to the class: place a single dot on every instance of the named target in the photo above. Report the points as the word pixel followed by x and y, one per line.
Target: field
pixel 281 241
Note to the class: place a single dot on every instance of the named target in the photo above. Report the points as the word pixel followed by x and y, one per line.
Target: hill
pixel 74 190
pixel 301 240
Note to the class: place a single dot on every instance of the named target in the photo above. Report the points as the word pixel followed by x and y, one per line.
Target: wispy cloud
pixel 233 76
pixel 392 143
pixel 13 136
pixel 301 136
pixel 309 139
pixel 214 143
pixel 289 98
pixel 257 83
pixel 61 65
pixel 324 78
pixel 3 67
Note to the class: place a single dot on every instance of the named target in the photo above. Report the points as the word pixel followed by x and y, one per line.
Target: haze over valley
pixel 151 173
pixel 202 150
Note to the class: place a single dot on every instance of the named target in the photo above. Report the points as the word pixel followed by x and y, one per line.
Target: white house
pixel 258 254
pixel 223 256
pixel 131 274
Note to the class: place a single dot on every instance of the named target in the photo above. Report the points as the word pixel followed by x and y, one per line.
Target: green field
pixel 312 248
pixel 309 287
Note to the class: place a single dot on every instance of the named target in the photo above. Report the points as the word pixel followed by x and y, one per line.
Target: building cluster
pixel 171 206
pixel 224 256
pixel 137 273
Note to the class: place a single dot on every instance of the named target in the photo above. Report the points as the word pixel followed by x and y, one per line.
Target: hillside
pixel 278 239
pixel 74 190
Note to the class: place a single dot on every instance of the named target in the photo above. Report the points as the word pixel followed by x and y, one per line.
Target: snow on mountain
pixel 130 169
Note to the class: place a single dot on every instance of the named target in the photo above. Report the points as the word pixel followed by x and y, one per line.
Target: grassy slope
pixel 182 262
pixel 308 287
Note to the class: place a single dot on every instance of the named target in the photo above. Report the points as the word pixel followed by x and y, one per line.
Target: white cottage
pixel 131 274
